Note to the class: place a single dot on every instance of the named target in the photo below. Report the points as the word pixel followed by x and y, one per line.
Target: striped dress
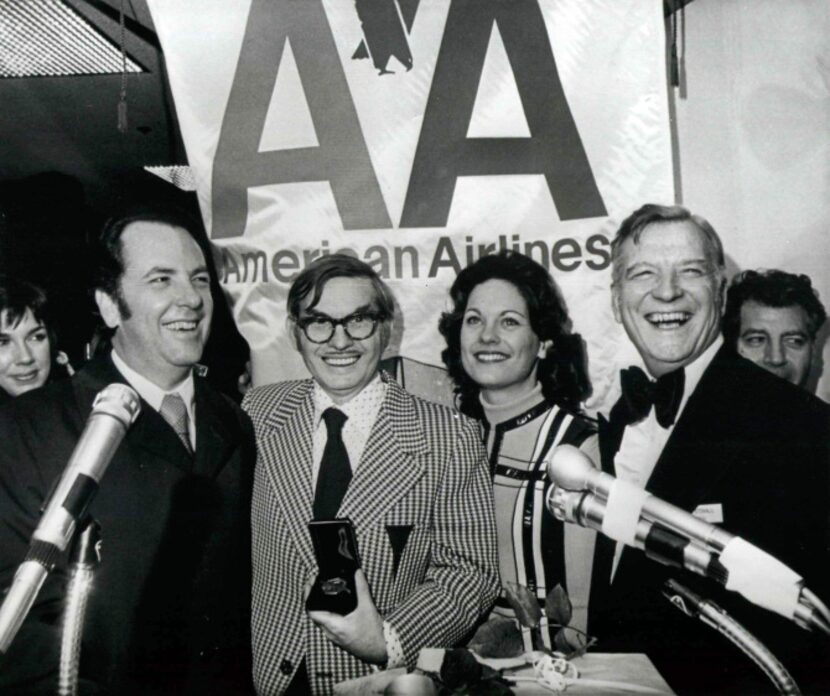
pixel 535 549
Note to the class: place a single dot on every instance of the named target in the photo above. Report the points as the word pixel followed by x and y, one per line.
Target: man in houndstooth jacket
pixel 419 498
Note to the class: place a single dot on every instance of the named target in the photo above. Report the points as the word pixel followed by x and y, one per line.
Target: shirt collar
pixel 152 393
pixel 371 393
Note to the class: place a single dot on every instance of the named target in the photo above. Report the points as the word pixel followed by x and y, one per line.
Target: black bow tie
pixel 639 394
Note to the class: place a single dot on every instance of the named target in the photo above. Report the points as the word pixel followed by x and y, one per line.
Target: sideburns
pixel 121 303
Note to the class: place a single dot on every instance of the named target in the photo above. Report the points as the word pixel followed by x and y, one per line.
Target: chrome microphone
pixel 588 509
pixel 673 536
pixel 573 470
pixel 115 408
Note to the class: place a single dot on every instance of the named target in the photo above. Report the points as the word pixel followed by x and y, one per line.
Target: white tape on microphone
pixel 622 512
pixel 761 578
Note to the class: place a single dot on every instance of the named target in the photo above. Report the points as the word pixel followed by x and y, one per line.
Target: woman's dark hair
pixel 561 372
pixel 20 296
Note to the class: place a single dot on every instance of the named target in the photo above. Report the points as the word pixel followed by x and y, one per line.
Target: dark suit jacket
pixel 422 506
pixel 759 447
pixel 170 609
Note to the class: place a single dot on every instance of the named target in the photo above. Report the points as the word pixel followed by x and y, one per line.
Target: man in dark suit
pixel 411 475
pixel 169 612
pixel 717 436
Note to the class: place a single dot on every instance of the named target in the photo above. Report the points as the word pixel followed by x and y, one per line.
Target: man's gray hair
pixel 632 227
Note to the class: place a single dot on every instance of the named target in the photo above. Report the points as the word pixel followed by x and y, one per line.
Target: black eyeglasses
pixel 320 328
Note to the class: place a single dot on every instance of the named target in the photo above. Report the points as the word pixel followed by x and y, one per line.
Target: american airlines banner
pixel 419 135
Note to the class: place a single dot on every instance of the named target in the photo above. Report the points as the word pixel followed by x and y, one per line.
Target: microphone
pixel 573 470
pixel 673 536
pixel 115 408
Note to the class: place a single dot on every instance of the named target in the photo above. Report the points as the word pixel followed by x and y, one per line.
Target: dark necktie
pixel 639 394
pixel 335 471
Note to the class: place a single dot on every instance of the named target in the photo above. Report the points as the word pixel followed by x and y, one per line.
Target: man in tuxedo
pixel 409 474
pixel 708 431
pixel 773 318
pixel 169 611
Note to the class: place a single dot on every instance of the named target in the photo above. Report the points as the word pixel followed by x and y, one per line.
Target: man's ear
pixel 293 330
pixel 385 334
pixel 615 302
pixel 108 309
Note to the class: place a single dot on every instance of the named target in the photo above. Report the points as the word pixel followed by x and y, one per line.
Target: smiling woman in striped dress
pixel 518 369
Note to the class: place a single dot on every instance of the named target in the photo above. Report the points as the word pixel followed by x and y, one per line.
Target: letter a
pixel 342 158
pixel 444 151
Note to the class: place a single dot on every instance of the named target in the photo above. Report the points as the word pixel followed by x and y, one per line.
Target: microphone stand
pixel 86 557
pixel 713 616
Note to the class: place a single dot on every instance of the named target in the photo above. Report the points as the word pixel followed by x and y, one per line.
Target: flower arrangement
pixel 501 637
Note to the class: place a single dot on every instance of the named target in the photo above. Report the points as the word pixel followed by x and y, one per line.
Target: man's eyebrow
pixel 638 264
pixel 159 269
pixel 363 309
pixel 795 332
pixel 172 271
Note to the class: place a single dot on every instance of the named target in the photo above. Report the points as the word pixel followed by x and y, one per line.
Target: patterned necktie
pixel 174 412
pixel 639 394
pixel 335 471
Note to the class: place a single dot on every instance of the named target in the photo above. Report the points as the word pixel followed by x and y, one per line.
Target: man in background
pixel 169 612
pixel 712 433
pixel 410 475
pixel 772 318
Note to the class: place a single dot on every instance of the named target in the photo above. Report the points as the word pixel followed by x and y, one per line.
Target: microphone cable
pixel 86 557
pixel 713 616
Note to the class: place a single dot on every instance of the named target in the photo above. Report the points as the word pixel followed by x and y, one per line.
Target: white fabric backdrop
pixel 300 148
pixel 754 135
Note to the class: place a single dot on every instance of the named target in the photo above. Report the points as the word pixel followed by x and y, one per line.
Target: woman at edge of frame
pixel 28 346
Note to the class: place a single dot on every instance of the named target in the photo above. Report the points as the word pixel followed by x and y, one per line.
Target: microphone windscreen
pixel 119 401
pixel 570 468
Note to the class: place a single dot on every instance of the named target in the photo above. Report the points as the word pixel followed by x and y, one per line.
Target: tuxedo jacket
pixel 421 504
pixel 169 611
pixel 757 449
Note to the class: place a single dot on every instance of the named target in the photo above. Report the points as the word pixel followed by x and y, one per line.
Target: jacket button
pixel 286 667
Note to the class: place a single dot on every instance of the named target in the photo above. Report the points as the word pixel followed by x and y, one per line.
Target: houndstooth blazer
pixel 421 503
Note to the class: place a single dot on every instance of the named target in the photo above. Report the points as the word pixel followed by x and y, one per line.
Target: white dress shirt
pixel 643 442
pixel 154 394
pixel 361 411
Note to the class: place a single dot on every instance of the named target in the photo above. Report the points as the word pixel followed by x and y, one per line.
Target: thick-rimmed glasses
pixel 319 328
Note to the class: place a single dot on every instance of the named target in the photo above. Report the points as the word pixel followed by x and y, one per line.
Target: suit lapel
pixel 286 455
pixel 610 437
pixel 693 460
pixel 214 440
pixel 393 461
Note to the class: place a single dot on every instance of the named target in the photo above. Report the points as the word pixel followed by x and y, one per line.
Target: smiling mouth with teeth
pixel 28 377
pixel 341 360
pixel 668 320
pixel 182 325
pixel 491 357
